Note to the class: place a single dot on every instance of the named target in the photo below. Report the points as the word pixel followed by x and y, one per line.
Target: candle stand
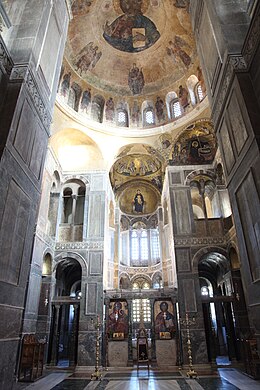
pixel 187 323
pixel 95 376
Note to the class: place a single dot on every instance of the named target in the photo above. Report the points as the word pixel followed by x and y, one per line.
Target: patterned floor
pixel 228 379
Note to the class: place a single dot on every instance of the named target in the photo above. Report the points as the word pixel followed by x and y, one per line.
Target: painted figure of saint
pixel 183 97
pixel 136 80
pixel 138 202
pixel 110 110
pixel 118 320
pixel 65 85
pixel 87 58
pixel 159 106
pixel 177 52
pixel 164 321
pixel 131 32
pixel 85 101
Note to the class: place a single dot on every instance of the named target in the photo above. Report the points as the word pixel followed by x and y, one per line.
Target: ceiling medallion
pixel 131 32
pixel 118 5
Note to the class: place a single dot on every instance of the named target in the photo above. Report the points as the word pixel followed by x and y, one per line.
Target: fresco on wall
pixel 181 4
pixel 87 58
pixel 183 97
pixel 117 322
pixel 138 203
pixel 137 165
pixel 106 38
pixel 196 145
pixel 81 7
pixel 164 320
pixel 65 84
pixel 159 108
pixel 85 100
pixel 138 198
pixel 178 52
pixel 136 80
pixel 131 32
pixel 135 114
pixel 110 110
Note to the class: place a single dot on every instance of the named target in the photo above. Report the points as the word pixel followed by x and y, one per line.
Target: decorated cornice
pixel 39 104
pixel 60 246
pixel 139 270
pixel 193 241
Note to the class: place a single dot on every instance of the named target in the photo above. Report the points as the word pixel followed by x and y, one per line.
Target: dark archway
pixel 65 314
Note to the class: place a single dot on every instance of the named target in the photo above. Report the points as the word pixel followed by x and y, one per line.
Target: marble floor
pixel 224 379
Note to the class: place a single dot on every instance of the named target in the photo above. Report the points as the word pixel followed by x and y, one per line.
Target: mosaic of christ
pixel 131 32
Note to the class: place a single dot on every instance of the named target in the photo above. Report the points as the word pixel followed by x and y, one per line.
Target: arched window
pixel 176 109
pixel 200 93
pixel 144 306
pixel 155 246
pixel 149 117
pixel 122 118
pixel 139 247
pixel 79 213
pixel 67 206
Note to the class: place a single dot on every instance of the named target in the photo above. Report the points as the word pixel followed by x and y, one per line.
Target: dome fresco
pixel 127 60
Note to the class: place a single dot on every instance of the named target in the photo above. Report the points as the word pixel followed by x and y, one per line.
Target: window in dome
pixel 200 93
pixel 176 109
pixel 155 246
pixel 149 118
pixel 122 118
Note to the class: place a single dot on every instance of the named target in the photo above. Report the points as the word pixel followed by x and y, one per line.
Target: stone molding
pixel 139 270
pixel 18 73
pixel 194 241
pixel 22 73
pixel 99 245
pixel 5 58
pixel 39 104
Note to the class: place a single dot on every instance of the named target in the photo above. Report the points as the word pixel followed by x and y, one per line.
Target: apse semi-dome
pixel 131 63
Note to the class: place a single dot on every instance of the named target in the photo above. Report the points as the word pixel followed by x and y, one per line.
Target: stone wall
pixel 28 85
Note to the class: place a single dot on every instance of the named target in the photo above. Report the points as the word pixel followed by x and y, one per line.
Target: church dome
pixel 131 63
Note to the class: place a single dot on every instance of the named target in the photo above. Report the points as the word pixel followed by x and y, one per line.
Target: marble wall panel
pixel 97 183
pixel 166 352
pixel 87 348
pixel 249 211
pixel 51 45
pixel 183 259
pixel 175 178
pixel 91 298
pixel 237 123
pixel 13 232
pixel 181 209
pixel 188 286
pixel 95 263
pixel 96 215
pixel 11 316
pixel 117 353
pixel 8 354
pixel 226 146
pixel 24 133
pixel 38 150
pixel 209 47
